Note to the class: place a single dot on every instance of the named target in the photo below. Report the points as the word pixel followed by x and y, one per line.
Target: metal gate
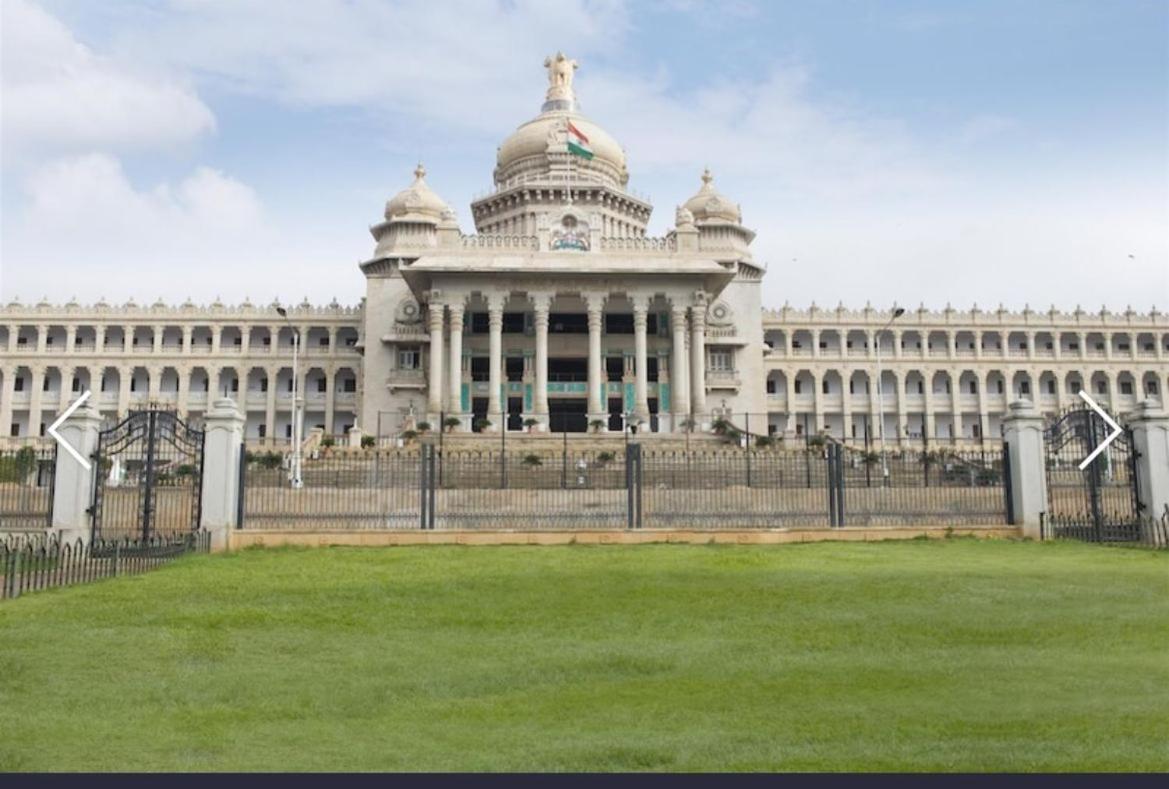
pixel 1101 502
pixel 148 477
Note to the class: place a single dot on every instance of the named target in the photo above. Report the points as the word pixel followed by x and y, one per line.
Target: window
pixel 76 384
pixel 349 385
pixel 238 341
pixel 263 387
pixel 235 384
pixel 1126 387
pixel 22 341
pixel 290 380
pixel 974 387
pixel 480 323
pixel 976 430
pixel 14 431
pixel 45 384
pixel 18 385
pixel 796 344
pixel 1000 387
pixel 1151 387
pixel 770 386
pixel 1101 388
pixel 408 358
pixel 824 386
pixel 921 387
pixel 1124 346
pixel 267 341
pixel 324 342
pixel 798 387
pixel 1051 387
pixel 322 384
pixel 261 431
pixel 720 360
pixel 1073 346
pixel 288 431
pixel 1024 387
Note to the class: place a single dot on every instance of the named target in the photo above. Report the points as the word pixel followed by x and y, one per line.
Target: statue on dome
pixel 560 73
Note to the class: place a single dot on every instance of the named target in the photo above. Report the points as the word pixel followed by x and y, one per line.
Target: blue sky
pixel 914 152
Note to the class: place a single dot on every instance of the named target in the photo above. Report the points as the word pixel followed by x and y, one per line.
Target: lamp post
pixel 897 313
pixel 296 402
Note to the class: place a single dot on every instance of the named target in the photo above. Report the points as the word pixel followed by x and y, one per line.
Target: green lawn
pixel 942 655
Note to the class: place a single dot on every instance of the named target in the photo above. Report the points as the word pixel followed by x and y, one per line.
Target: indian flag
pixel 577 142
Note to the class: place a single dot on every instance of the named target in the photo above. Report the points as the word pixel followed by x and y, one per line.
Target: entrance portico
pixel 567 327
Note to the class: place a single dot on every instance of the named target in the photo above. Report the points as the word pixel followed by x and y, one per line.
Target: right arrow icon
pixel 1116 430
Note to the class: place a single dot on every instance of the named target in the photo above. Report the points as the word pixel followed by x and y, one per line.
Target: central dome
pixel 539 148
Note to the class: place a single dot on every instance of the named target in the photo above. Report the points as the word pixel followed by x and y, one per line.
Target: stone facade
pixel 560 313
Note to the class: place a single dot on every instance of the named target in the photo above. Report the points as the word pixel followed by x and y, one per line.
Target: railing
pixel 26 488
pixel 33 563
pixel 1145 532
pixel 641 244
pixel 500 242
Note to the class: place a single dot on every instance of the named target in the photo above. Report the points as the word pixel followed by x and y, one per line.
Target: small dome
pixel 416 203
pixel 708 204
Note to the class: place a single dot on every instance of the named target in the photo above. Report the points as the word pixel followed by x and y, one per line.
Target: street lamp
pixel 897 313
pixel 297 427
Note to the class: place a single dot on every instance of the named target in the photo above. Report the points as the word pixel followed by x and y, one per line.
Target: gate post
pixel 1023 434
pixel 1150 442
pixel 223 434
pixel 72 483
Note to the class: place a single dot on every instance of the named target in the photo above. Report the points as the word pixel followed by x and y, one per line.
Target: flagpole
pixel 571 157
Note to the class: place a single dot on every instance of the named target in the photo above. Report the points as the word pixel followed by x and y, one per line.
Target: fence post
pixel 73 483
pixel 1023 435
pixel 224 432
pixel 1150 442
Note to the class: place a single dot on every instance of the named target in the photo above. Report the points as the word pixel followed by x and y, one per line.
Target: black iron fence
pixel 1118 529
pixel 26 488
pixel 629 486
pixel 31 563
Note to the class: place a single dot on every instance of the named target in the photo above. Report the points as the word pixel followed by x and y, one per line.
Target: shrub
pixel 409 435
pixel 530 422
pixel 817 440
pixel 531 461
pixel 19 466
pixel 368 442
pixel 720 426
pixel 605 457
pixel 451 422
pixel 597 424
pixel 423 426
pixel 871 458
pixel 328 442
pixel 482 423
pixel 763 442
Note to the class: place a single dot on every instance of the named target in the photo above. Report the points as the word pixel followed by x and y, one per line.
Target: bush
pixel 482 423
pixel 409 435
pixel 328 442
pixel 597 424
pixel 605 457
pixel 368 442
pixel 763 442
pixel 720 426
pixel 451 422
pixel 18 467
pixel 530 422
pixel 423 426
pixel 531 461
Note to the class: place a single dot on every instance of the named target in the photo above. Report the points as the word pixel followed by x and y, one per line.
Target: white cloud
pixel 60 95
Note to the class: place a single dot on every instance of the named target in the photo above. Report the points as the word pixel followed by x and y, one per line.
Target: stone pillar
pixel 224 433
pixel 1150 437
pixel 270 405
pixel 434 385
pixel 70 338
pixel 330 399
pixel 698 363
pixel 99 339
pixel 455 406
pixel 73 483
pixel 42 337
pixel 124 376
pixel 14 332
pixel 679 385
pixel 182 399
pixel 355 435
pixel 1023 434
pixel 597 401
pixel 217 338
pixel 495 406
pixel 157 339
pixel 542 303
pixel 641 361
pixel 34 400
pixel 128 339
pixel 6 396
pixel 274 336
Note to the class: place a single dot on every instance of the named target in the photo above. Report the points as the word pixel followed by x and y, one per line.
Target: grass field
pixel 939 655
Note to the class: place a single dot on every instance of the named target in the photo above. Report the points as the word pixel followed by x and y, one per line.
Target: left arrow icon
pixel 52 431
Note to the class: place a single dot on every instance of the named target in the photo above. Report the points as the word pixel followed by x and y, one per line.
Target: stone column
pixel 70 338
pixel 274 334
pixel 596 311
pixel 182 399
pixel 217 338
pixel 99 339
pixel 495 405
pixel 679 385
pixel 1150 437
pixel 640 359
pixel 956 404
pixel 6 396
pixel 330 399
pixel 157 339
pixel 455 406
pixel 541 306
pixel 124 376
pixel 37 375
pixel 224 433
pixel 128 339
pixel 434 385
pixel 14 331
pixel 698 363
pixel 73 483
pixel 270 405
pixel 1023 434
pixel 42 337
pixel 188 333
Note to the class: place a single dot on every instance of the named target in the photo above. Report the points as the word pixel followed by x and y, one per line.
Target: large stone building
pixel 560 313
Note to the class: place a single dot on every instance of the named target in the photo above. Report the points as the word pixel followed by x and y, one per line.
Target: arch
pixel 940 383
pixel 858 383
pixel 1150 386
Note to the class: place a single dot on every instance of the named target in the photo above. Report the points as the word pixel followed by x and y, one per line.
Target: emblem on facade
pixel 571 234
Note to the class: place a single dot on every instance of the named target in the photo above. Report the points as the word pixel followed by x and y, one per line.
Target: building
pixel 559 313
